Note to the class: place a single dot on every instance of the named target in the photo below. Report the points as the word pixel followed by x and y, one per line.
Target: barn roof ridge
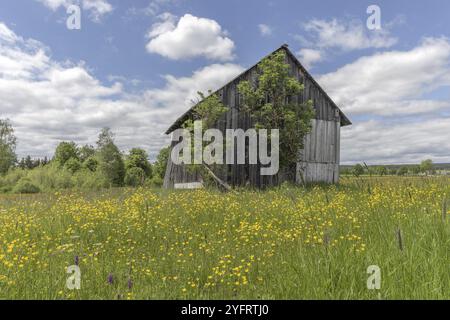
pixel 345 121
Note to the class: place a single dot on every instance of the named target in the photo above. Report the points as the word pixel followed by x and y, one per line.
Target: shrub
pixel 91 164
pixel 25 186
pixel 135 177
pixel 5 189
pixel 358 170
pixel 88 180
pixel 72 165
pixel 156 182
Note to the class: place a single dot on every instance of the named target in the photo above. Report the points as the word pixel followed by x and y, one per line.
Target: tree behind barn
pixel 111 163
pixel 7 146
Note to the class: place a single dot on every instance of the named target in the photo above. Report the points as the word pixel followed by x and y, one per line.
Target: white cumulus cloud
pixel 48 101
pixel 389 97
pixel 392 82
pixel 308 57
pixel 190 37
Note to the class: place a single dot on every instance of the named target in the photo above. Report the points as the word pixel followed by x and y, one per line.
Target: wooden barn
pixel 319 158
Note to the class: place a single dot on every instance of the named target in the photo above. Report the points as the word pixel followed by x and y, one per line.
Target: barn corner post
pixel 319 158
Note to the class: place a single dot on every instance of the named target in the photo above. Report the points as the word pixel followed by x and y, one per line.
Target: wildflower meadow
pixel 283 243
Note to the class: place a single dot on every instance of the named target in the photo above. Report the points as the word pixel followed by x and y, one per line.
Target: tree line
pixel 74 166
pixel 425 168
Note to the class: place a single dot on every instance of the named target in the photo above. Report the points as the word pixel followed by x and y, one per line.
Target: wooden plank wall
pixel 320 157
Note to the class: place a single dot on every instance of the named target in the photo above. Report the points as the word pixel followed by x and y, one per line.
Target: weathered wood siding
pixel 320 157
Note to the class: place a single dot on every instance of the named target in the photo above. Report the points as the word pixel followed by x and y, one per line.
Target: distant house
pixel 319 159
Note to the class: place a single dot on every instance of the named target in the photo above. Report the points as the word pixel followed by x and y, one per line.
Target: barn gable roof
pixel 344 120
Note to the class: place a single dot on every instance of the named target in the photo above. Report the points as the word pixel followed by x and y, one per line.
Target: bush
pixel 91 164
pixel 358 170
pixel 88 180
pixel 155 182
pixel 72 165
pixel 5 189
pixel 135 177
pixel 25 186
pixel 51 178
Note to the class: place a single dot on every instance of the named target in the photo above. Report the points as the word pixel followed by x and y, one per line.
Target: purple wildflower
pixel 110 279
pixel 130 284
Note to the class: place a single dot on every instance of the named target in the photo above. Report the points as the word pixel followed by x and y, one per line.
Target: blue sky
pixel 135 66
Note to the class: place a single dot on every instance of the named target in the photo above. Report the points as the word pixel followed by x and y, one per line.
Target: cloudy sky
pixel 136 65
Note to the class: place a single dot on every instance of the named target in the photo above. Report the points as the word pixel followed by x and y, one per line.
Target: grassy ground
pixel 288 243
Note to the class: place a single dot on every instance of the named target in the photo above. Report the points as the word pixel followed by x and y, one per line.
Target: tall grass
pixel 285 243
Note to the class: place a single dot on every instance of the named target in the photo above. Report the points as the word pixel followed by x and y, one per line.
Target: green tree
pixel 105 137
pixel 382 170
pixel 135 177
pixel 91 164
pixel 65 151
pixel 7 146
pixel 138 158
pixel 111 163
pixel 271 105
pixel 416 169
pixel 159 167
pixel 358 170
pixel 208 112
pixel 402 171
pixel 426 166
pixel 85 152
pixel 72 165
pixel 28 162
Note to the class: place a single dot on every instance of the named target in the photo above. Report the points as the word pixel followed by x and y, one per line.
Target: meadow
pixel 284 243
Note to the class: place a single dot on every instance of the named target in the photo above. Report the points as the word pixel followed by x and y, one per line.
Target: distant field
pixel 436 166
pixel 287 243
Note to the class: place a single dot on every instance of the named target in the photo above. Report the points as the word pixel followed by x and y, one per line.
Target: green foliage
pixel 208 111
pixel 426 166
pixel 358 170
pixel 272 105
pixel 72 165
pixel 65 151
pixel 382 170
pixel 138 158
pixel 159 167
pixel 25 186
pixel 104 168
pixel 402 171
pixel 86 152
pixel 155 182
pixel 7 146
pixel 91 164
pixel 111 163
pixel 88 180
pixel 134 177
pixel 416 169
pixel 105 137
